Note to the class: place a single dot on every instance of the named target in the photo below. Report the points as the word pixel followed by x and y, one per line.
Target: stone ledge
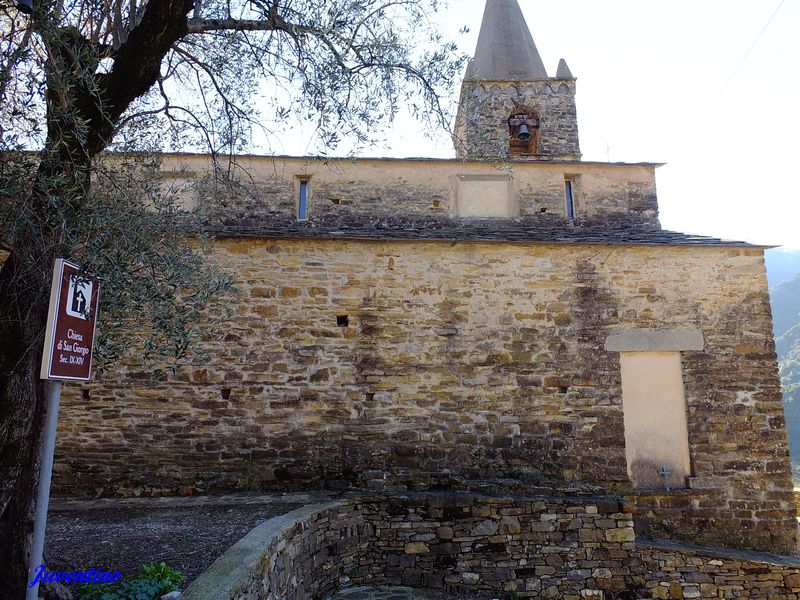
pixel 655 340
pixel 769 558
pixel 234 573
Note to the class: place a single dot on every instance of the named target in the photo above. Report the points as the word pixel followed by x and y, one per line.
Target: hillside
pixel 786 313
pixel 786 316
pixel 782 265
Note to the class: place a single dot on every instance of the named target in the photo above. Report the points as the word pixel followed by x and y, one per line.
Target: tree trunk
pixel 24 302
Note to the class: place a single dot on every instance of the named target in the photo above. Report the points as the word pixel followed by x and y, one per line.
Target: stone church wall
pixel 413 364
pixel 266 189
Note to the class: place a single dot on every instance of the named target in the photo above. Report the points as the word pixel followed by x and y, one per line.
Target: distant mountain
pixel 785 299
pixel 786 320
pixel 782 265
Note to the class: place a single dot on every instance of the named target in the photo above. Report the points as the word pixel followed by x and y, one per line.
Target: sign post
pixel 68 346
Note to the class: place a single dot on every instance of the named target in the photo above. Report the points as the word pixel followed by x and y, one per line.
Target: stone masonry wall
pixel 353 191
pixel 481 130
pixel 480 547
pixel 476 547
pixel 675 571
pixel 466 546
pixel 354 364
pixel 302 555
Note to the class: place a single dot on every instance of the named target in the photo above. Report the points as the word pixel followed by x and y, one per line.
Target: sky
pixel 688 83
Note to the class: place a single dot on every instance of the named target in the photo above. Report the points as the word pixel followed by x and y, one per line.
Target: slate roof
pixel 519 230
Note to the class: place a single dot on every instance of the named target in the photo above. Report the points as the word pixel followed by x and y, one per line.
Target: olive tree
pixel 82 78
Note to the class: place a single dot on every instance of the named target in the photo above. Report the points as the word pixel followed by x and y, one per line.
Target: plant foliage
pixel 154 581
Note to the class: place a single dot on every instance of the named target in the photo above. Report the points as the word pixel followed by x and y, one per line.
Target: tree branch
pixel 137 65
pixel 275 23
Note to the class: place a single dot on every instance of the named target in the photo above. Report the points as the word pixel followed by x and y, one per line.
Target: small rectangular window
pixel 302 204
pixel 570 201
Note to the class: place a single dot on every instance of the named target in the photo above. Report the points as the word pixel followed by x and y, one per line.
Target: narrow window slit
pixel 302 205
pixel 569 199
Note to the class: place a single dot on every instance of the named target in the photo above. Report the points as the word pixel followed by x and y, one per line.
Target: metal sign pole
pixel 68 345
pixel 43 492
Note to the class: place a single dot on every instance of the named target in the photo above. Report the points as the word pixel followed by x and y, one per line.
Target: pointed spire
pixel 563 71
pixel 505 50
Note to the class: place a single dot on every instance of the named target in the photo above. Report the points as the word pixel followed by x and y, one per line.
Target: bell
pixel 523 134
pixel 25 6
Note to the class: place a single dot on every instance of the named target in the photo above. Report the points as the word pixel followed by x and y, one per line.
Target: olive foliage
pixel 80 77
pixel 92 90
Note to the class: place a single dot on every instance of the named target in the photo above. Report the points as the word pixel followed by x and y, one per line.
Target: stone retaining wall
pixel 472 546
pixel 673 570
pixel 481 547
pixel 301 555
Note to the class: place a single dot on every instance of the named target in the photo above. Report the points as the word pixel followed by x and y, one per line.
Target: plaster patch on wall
pixel 487 196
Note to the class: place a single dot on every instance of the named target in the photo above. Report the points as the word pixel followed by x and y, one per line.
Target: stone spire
pixel 505 50
pixel 563 71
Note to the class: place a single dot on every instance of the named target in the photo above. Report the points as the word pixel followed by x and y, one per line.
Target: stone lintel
pixel 655 340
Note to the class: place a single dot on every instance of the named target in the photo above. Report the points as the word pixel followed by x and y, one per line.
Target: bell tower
pixel 509 108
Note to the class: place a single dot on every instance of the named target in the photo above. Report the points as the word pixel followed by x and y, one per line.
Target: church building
pixel 514 315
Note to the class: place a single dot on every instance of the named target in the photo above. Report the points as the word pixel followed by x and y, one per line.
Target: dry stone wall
pixel 419 364
pixel 477 547
pixel 676 571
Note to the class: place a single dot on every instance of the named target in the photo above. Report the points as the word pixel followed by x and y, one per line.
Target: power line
pixel 713 104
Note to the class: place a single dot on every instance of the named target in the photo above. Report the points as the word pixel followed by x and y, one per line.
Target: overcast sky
pixel 650 74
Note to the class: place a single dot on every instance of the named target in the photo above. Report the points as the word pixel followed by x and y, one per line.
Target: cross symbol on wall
pixel 665 473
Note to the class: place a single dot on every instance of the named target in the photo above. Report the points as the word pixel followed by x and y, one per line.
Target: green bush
pixel 166 575
pixel 154 581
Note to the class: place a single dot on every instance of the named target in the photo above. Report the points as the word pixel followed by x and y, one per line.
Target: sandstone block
pixel 509 525
pixel 417 548
pixel 792 581
pixel 445 533
pixel 620 535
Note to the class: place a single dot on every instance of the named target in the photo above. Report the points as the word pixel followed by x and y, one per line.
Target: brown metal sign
pixel 69 339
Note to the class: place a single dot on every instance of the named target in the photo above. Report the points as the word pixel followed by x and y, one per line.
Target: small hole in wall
pixel 435 204
pixel 335 201
pixel 225 393
pixel 542 210
pixel 563 389
pixel 369 397
pixel 342 321
pixel 85 394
